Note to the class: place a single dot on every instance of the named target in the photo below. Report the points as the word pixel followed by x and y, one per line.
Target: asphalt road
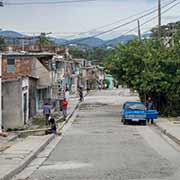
pixel 97 146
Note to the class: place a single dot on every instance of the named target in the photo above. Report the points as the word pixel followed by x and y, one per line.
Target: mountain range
pixel 90 42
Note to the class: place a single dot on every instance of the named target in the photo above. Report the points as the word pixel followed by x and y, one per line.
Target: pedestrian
pixel 150 106
pixel 53 125
pixel 67 94
pixel 99 87
pixel 61 95
pixel 64 107
pixel 46 112
pixel 81 98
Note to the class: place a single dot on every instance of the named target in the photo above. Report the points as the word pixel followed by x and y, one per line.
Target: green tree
pixel 150 68
pixel 43 41
pixel 2 44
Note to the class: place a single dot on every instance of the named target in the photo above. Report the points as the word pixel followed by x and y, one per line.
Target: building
pixel 26 86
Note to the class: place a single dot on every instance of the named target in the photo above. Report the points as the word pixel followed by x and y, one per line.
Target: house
pixel 100 75
pixel 25 86
pixel 15 102
pixel 110 79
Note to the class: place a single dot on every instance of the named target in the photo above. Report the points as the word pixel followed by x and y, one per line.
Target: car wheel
pixel 125 122
pixel 144 123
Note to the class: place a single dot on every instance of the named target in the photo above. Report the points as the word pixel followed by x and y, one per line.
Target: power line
pixel 149 20
pixel 123 19
pixel 104 26
pixel 46 2
pixel 124 24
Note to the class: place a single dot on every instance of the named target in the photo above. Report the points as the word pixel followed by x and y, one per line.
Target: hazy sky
pixel 72 18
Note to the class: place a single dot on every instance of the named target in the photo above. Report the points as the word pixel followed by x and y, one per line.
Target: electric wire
pixel 122 25
pixel 46 2
pixel 146 22
pixel 104 26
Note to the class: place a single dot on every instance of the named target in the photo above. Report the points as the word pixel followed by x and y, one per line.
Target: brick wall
pixel 23 67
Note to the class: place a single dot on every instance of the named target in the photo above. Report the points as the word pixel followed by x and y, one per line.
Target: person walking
pixel 67 94
pixel 46 112
pixel 150 106
pixel 64 107
pixel 81 94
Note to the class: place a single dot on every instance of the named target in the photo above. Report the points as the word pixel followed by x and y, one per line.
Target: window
pixel 11 65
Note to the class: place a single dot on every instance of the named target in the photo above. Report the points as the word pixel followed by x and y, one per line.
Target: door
pixel 151 114
pixel 25 107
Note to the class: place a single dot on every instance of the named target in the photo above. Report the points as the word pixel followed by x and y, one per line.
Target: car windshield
pixel 135 106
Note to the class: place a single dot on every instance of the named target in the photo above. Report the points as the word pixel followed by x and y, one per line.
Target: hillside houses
pixel 31 79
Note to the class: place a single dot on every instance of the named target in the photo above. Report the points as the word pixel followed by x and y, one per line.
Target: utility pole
pixel 159 18
pixel 139 30
pixel 1 5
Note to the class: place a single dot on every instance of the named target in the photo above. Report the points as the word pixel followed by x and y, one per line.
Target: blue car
pixel 137 112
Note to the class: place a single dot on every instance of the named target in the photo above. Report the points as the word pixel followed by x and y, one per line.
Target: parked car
pixel 137 112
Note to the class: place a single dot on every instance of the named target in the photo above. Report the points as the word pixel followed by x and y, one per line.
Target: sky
pixel 68 20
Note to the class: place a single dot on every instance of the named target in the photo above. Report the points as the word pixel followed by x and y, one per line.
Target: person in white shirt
pixel 67 94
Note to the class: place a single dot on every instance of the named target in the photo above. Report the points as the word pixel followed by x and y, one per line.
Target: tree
pixel 2 44
pixel 150 68
pixel 43 41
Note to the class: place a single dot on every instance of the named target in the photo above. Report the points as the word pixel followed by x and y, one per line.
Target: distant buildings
pixel 31 78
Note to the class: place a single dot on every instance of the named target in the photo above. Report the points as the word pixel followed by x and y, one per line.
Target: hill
pixel 82 42
pixel 11 34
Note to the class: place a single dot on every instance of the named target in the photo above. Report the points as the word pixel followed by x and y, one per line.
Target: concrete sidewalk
pixel 172 130
pixel 16 156
pixel 19 155
pixel 6 142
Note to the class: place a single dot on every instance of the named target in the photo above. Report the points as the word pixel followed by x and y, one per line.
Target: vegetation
pixel 151 68
pixel 166 30
pixel 2 44
pixel 94 54
pixel 43 41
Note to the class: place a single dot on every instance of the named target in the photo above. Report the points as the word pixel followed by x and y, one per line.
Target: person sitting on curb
pixel 53 128
pixel 53 125
pixel 64 108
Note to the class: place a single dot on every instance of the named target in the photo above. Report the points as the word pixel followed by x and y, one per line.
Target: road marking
pixel 65 165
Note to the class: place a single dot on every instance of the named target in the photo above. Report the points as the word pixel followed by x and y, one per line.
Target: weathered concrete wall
pixel 23 67
pixel 43 74
pixel 12 103
pixel 32 97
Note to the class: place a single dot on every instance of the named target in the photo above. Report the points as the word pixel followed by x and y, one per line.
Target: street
pixel 98 146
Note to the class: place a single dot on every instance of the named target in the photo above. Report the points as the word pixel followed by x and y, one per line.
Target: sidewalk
pixel 172 130
pixel 6 142
pixel 16 158
pixel 16 155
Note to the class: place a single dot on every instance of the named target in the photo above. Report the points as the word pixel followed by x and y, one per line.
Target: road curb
pixel 71 117
pixel 31 157
pixel 165 132
pixel 27 159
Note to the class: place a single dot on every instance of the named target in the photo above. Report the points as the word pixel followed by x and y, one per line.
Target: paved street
pixel 98 146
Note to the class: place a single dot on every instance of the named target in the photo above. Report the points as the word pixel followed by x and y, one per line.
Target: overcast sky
pixel 73 18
